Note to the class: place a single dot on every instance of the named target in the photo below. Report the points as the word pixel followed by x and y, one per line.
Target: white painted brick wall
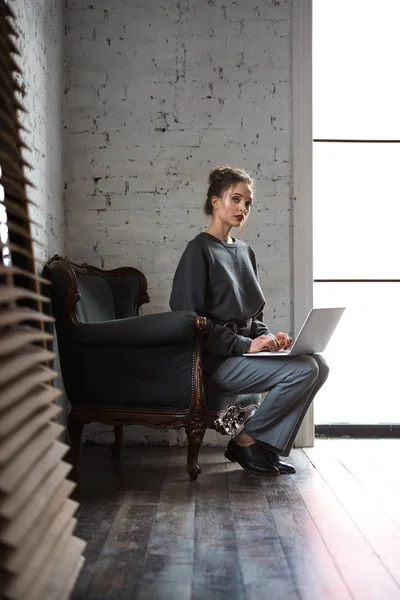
pixel 41 33
pixel 157 94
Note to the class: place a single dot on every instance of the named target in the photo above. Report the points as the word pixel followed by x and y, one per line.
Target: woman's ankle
pixel 242 439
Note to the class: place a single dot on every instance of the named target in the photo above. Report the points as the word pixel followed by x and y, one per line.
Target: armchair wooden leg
pixel 195 437
pixel 75 429
pixel 119 440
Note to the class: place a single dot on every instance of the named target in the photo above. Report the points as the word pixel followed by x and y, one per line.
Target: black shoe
pixel 273 458
pixel 250 459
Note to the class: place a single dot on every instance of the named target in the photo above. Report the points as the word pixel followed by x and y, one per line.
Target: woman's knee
pixel 322 365
pixel 308 365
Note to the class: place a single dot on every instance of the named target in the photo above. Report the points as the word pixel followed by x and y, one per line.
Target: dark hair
pixel 220 179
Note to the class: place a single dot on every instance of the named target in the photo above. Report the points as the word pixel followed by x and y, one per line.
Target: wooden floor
pixel 332 531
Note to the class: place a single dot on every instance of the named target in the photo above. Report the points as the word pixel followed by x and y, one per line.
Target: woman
pixel 217 278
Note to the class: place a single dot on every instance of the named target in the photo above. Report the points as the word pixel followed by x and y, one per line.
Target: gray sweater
pixel 219 281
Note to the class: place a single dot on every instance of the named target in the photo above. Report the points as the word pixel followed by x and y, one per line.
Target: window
pixel 356 204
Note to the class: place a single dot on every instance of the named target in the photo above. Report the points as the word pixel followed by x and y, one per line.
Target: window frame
pixel 302 181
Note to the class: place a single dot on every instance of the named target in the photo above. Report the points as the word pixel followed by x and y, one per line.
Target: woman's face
pixel 235 205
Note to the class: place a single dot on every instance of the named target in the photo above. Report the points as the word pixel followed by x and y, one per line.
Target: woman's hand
pixel 264 342
pixel 284 341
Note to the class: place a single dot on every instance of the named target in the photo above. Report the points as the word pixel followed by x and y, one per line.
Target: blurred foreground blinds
pixel 39 556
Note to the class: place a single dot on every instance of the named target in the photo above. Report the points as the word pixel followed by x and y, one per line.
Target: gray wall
pixel 157 94
pixel 41 40
pixel 40 27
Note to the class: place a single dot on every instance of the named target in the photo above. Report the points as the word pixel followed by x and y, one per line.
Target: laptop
pixel 314 334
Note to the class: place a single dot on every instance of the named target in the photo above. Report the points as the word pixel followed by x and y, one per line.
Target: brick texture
pixel 157 94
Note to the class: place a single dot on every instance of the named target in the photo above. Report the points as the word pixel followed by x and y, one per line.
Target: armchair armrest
pixel 161 329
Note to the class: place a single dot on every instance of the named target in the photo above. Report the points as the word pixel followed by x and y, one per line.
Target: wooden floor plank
pixel 370 477
pixel 380 531
pixel 265 571
pixel 313 569
pixel 100 499
pixel 383 454
pixel 361 568
pixel 168 567
pixel 118 567
pixel 329 532
pixel 216 569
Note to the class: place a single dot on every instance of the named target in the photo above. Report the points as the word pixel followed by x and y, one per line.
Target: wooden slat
pixel 15 469
pixel 24 233
pixel 16 560
pixel 17 209
pixel 32 406
pixel 14 366
pixel 7 10
pixel 12 446
pixel 12 293
pixel 15 444
pixel 27 577
pixel 8 65
pixel 60 588
pixel 8 132
pixel 17 183
pixel 22 251
pixel 10 28
pixel 14 340
pixel 27 381
pixel 12 270
pixel 39 579
pixel 10 121
pixel 16 189
pixel 6 103
pixel 12 48
pixel 72 579
pixel 9 84
pixel 21 315
pixel 10 505
pixel 12 533
pixel 57 573
pixel 9 47
pixel 10 162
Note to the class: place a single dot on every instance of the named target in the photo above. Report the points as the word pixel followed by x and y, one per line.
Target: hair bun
pixel 219 172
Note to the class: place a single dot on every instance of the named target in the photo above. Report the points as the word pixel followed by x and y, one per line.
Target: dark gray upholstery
pixel 124 291
pixel 97 302
pixel 103 299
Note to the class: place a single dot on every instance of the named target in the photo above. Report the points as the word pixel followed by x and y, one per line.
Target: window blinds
pixel 39 556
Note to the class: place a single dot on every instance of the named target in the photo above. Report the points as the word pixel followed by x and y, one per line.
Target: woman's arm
pixel 189 291
pixel 258 327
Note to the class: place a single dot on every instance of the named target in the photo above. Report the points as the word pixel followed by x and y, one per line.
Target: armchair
pixel 120 368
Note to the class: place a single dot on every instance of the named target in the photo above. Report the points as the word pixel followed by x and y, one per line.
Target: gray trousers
pixel 292 384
